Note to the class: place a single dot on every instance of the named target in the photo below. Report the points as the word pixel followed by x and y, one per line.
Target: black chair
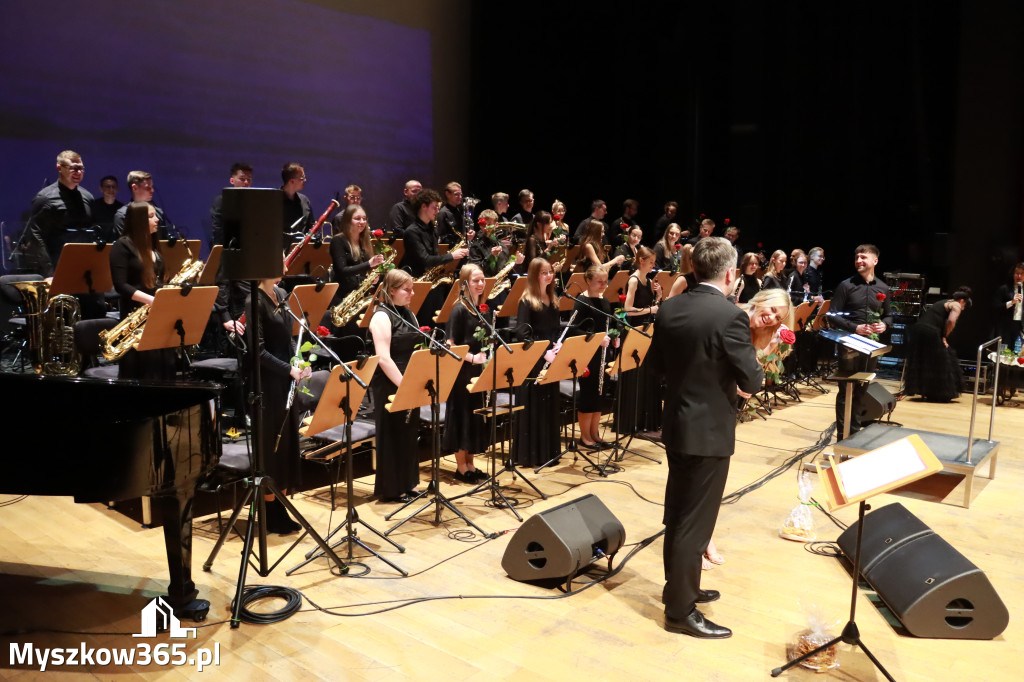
pixel 87 340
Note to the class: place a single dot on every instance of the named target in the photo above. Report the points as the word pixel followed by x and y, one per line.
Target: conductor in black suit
pixel 699 425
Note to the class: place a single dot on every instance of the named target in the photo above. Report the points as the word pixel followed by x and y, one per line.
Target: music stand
pixel 441 316
pixel 209 274
pixel 666 279
pixel 617 286
pixel 866 349
pixel 428 380
pixel 420 291
pixel 177 317
pixel 857 480
pixel 315 255
pixel 176 251
pixel 576 352
pixel 631 356
pixel 82 269
pixel 312 300
pixel 565 303
pixel 511 305
pixel 514 366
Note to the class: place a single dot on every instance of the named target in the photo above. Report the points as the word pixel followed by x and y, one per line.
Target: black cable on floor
pixel 254 593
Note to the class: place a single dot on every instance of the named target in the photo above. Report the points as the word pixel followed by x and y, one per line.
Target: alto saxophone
pixel 501 279
pixel 50 323
pixel 128 332
pixel 436 276
pixel 358 298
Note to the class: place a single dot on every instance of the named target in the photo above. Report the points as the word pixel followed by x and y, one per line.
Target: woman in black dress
pixel 640 408
pixel 465 433
pixel 750 285
pixel 794 277
pixel 933 370
pixel 773 277
pixel 666 251
pixel 592 250
pixel 538 243
pixel 352 257
pixel 588 398
pixel 628 251
pixel 281 457
pixel 137 269
pixel 687 279
pixel 536 434
pixel 398 470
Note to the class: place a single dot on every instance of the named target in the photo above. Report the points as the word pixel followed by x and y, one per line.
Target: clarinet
pixel 1019 287
pixel 561 338
pixel 604 357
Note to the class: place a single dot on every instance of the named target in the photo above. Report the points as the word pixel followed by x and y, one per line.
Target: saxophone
pixel 358 298
pixel 50 323
pixel 501 279
pixel 436 276
pixel 128 332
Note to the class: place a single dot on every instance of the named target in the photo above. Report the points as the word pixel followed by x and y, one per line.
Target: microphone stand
pixel 433 491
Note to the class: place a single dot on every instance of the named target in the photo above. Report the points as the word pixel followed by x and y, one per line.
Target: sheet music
pixel 879 467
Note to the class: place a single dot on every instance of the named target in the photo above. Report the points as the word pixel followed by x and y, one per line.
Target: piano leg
pixel 176 512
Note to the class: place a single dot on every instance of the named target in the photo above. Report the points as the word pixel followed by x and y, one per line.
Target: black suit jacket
pixel 702 346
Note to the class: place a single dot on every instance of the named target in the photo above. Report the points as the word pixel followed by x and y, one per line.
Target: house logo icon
pixel 157 616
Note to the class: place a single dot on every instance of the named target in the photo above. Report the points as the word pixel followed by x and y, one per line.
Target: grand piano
pixel 100 440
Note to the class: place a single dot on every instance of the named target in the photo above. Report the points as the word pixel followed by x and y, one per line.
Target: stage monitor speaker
pixel 253 229
pixel 875 401
pixel 933 589
pixel 562 541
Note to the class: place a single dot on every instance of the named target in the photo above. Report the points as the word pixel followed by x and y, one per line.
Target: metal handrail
pixel 995 393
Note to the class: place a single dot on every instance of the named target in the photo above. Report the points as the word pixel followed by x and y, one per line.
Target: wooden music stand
pixel 175 256
pixel 511 305
pixel 631 356
pixel 420 291
pixel 398 246
pixel 802 313
pixel 428 380
pixel 570 257
pixel 313 257
pixel 506 371
pixel 873 473
pixel 576 352
pixel 819 319
pixel 441 316
pixel 312 303
pixel 177 318
pixel 666 280
pixel 82 269
pixel 209 274
pixel 576 283
pixel 616 286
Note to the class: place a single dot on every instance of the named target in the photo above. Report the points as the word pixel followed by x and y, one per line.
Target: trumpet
pixel 359 297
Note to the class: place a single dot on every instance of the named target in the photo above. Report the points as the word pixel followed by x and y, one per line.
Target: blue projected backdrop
pixel 185 88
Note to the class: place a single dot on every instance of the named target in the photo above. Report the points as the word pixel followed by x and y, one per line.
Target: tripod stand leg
pixel 783 668
pixel 228 528
pixel 874 660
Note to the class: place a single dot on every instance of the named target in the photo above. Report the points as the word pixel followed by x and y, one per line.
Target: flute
pixel 561 338
pixel 604 357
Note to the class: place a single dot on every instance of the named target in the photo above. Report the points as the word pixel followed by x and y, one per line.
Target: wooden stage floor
pixel 84 569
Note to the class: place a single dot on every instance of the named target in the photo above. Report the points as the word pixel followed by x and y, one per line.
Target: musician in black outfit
pixel 1009 308
pixel 641 388
pixel 276 350
pixel 137 269
pixel 240 176
pixel 859 296
pixel 536 434
pixel 812 275
pixel 297 210
pixel 465 432
pixel 525 214
pixel 402 214
pixel 141 185
pixel 588 398
pixel 58 211
pixel 449 218
pixel 617 231
pixel 398 470
pixel 421 251
pixel 105 207
pixel 352 256
pixel 598 210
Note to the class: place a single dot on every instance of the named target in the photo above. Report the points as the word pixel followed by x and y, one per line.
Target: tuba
pixel 358 298
pixel 128 332
pixel 50 322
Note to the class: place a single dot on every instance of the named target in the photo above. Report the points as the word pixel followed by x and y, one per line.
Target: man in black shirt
pixel 241 176
pixel 105 207
pixel 865 300
pixel 499 200
pixel 298 214
pixel 707 226
pixel 617 233
pixel 525 215
pixel 141 184
pixel 812 275
pixel 598 210
pixel 402 214
pixel 449 218
pixel 669 217
pixel 61 213
pixel 421 251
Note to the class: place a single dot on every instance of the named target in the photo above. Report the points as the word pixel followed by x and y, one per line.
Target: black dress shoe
pixel 401 499
pixel 465 477
pixel 696 625
pixel 479 475
pixel 704 596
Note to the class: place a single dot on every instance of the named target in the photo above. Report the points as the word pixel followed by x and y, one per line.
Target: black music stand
pixel 514 363
pixel 631 356
pixel 576 352
pixel 427 380
pixel 339 404
pixel 865 350
pixel 82 269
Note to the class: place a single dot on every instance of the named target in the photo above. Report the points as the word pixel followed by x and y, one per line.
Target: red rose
pixel 678 246
pixel 726 221
pixel 586 372
pixel 624 226
pixel 879 297
pixel 323 331
pixel 760 245
pixel 787 336
pixel 484 307
pixel 482 221
pixel 1020 361
pixel 622 298
pixel 378 233
pixel 703 215
pixel 424 329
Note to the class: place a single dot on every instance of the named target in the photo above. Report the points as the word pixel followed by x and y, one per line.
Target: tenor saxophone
pixel 501 278
pixel 128 332
pixel 436 276
pixel 358 298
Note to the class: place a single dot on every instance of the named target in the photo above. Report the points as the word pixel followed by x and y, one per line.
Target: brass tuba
pixel 128 332
pixel 50 323
pixel 360 297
